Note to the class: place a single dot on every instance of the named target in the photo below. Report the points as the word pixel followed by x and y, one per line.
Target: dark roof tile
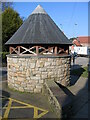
pixel 39 28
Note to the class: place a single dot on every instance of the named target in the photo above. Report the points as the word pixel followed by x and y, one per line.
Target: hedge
pixel 3 55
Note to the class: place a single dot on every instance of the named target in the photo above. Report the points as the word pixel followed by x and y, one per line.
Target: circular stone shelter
pixel 39 51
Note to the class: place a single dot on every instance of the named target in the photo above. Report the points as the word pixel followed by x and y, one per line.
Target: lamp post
pixel 61 26
pixel 75 25
pixel 89 70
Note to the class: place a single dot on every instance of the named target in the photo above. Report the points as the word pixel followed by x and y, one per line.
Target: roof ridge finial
pixel 39 9
pixel 39 5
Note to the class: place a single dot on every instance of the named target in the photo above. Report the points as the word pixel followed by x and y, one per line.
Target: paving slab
pixel 80 102
pixel 83 112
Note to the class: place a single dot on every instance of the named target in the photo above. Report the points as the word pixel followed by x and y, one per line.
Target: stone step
pixel 59 99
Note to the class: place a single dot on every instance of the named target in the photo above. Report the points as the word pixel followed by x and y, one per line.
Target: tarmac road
pixel 80 62
pixel 16 109
pixel 17 105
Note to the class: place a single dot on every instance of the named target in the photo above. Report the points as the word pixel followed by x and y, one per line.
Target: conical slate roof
pixel 39 28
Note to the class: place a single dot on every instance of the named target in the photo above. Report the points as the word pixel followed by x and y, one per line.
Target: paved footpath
pixel 80 90
pixel 80 102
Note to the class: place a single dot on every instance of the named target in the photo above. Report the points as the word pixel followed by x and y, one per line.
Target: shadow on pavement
pixel 74 72
pixel 5 96
pixel 80 104
pixel 66 90
pixel 79 109
pixel 75 66
pixel 66 101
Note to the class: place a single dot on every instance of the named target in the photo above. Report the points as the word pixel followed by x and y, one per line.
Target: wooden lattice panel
pixel 38 50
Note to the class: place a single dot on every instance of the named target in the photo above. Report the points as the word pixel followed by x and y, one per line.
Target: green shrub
pixel 3 55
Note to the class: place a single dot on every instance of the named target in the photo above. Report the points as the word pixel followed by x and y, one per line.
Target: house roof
pixel 84 39
pixel 39 28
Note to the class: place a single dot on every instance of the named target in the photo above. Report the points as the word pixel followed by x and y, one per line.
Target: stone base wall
pixel 28 73
pixel 55 105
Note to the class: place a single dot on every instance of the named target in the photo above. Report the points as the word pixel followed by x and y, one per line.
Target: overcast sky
pixel 71 17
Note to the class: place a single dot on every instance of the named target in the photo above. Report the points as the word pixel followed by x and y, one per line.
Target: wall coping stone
pixel 39 56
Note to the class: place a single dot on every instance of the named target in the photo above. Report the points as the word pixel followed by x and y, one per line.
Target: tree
pixel 5 5
pixel 71 39
pixel 0 32
pixel 11 21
